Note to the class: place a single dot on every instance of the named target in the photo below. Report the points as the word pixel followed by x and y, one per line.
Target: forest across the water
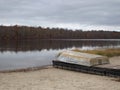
pixel 28 33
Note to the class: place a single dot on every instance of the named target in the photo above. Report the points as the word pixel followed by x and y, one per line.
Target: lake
pixel 25 54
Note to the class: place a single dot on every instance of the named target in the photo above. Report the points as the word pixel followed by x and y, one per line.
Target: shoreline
pixel 49 78
pixel 113 60
pixel 27 69
pixel 56 79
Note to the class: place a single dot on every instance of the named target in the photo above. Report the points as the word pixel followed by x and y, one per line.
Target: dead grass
pixel 104 52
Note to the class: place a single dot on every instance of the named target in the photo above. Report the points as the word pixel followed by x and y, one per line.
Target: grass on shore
pixel 104 52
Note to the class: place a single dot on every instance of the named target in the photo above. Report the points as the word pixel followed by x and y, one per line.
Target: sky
pixel 71 14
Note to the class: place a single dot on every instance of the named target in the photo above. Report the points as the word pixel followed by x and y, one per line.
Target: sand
pixel 57 79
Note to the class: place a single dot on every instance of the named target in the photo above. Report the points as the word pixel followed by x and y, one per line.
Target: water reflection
pixel 23 54
pixel 11 60
pixel 55 44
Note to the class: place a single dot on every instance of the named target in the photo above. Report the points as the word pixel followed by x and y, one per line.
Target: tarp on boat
pixel 82 58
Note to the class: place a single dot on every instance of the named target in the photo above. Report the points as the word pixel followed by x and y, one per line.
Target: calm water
pixel 24 54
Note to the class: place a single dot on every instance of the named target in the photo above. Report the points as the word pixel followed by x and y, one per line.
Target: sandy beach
pixel 57 79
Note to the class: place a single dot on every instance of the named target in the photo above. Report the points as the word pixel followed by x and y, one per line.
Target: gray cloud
pixel 104 14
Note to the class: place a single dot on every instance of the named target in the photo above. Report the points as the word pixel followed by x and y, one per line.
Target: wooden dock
pixel 105 70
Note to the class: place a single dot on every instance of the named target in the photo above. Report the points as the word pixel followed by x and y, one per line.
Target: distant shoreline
pixel 8 33
pixel 67 39
pixel 85 39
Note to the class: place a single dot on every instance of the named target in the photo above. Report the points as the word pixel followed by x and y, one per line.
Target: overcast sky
pixel 72 14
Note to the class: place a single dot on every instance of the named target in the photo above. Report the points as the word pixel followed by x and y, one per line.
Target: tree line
pixel 28 33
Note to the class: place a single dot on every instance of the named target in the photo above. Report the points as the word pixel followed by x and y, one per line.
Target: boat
pixel 87 63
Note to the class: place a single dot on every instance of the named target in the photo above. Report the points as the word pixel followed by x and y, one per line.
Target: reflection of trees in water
pixel 51 44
